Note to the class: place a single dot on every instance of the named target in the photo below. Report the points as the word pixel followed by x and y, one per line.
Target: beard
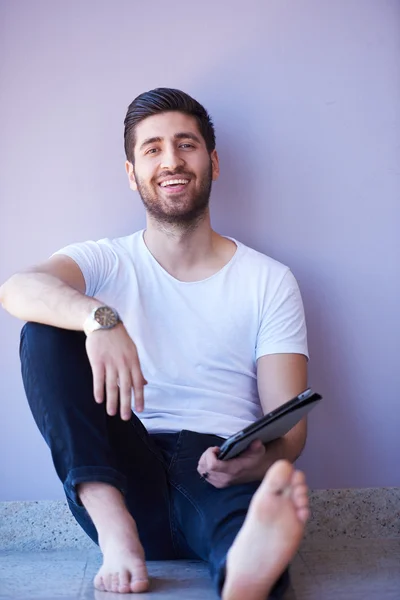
pixel 184 211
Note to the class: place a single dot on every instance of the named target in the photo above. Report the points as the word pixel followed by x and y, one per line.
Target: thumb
pixel 256 446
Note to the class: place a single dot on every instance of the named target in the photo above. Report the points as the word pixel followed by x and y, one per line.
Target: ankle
pixel 105 505
pixel 92 490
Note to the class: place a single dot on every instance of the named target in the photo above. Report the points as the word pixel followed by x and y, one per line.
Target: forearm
pixel 288 447
pixel 43 298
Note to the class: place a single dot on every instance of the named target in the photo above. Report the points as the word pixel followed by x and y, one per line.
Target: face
pixel 173 169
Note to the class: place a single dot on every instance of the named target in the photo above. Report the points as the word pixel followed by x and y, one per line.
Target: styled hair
pixel 162 100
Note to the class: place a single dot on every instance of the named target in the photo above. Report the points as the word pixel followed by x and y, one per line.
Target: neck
pixel 178 247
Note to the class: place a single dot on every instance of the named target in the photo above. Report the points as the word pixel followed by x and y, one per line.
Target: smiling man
pixel 199 335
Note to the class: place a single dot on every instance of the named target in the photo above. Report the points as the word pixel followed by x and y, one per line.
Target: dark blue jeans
pixel 178 514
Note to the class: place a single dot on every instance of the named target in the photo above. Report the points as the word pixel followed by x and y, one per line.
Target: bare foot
pixel 270 536
pixel 124 568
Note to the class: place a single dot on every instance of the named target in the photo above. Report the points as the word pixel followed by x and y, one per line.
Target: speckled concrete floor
pixel 364 570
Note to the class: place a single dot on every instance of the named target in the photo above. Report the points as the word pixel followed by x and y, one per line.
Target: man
pixel 207 334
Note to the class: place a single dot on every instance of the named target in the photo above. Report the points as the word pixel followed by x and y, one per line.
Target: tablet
pixel 272 426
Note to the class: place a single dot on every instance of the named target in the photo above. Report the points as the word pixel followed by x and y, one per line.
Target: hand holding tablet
pixel 272 426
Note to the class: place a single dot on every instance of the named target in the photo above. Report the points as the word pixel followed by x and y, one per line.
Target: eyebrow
pixel 182 135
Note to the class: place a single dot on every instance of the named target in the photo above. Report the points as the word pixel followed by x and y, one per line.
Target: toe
pixel 115 582
pixel 139 585
pixel 299 493
pixel 303 514
pixel 298 478
pixel 301 502
pixel 279 476
pixel 99 583
pixel 107 582
pixel 124 582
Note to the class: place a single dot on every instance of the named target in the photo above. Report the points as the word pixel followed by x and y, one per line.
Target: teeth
pixel 174 182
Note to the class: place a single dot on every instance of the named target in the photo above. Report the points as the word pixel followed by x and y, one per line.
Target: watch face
pixel 106 317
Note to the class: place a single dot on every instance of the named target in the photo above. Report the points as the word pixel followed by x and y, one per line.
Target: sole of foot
pixel 270 536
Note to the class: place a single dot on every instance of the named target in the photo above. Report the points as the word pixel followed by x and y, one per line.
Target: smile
pixel 174 182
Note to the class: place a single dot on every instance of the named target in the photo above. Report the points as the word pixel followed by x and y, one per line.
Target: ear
pixel 131 175
pixel 215 165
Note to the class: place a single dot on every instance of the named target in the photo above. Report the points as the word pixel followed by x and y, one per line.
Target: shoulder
pixel 260 263
pixel 269 278
pixel 128 245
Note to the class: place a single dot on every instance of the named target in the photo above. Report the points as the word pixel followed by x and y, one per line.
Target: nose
pixel 170 159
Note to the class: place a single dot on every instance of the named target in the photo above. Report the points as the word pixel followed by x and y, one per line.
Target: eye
pixel 186 145
pixel 151 150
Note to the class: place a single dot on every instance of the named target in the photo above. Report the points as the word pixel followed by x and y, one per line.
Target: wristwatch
pixel 102 317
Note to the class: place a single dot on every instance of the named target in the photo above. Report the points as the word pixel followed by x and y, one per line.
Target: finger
pixel 201 470
pixel 138 385
pixel 201 464
pixel 257 445
pixel 98 382
pixel 204 464
pixel 125 394
pixel 216 464
pixel 256 448
pixel 111 392
pixel 211 461
pixel 220 466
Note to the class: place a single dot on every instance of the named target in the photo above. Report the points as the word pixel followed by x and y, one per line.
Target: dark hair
pixel 165 100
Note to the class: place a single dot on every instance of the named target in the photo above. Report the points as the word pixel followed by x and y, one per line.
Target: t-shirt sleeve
pixel 283 325
pixel 96 260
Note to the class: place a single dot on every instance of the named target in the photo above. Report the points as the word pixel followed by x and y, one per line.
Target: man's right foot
pixel 124 568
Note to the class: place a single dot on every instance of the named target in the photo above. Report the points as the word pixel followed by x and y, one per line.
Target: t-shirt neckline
pixel 218 273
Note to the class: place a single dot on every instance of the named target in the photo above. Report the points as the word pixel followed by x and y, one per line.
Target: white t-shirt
pixel 198 342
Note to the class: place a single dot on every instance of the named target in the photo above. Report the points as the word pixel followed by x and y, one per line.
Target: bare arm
pixel 52 293
pixel 280 378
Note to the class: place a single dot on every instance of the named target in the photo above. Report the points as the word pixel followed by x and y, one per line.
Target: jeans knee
pixel 33 335
pixel 47 345
pixel 38 333
pixel 38 330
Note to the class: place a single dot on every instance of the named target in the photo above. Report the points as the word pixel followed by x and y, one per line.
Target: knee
pixel 40 337
pixel 36 332
pixel 33 336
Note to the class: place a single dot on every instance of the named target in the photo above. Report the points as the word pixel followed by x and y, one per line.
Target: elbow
pixel 3 293
pixel 6 292
pixel 296 440
pixel 302 437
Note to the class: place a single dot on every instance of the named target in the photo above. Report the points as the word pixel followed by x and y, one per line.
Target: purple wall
pixel 305 96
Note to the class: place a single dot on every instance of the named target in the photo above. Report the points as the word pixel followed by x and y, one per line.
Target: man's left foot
pixel 270 536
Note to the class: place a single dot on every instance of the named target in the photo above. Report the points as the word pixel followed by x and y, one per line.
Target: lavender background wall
pixel 305 95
